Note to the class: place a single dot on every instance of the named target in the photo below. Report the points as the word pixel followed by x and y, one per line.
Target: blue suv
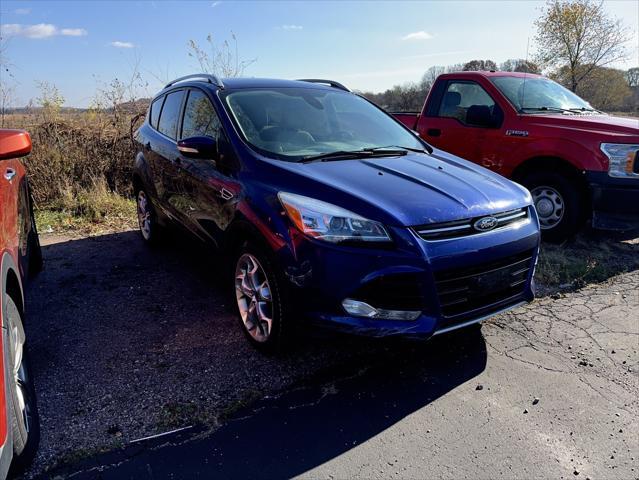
pixel 329 211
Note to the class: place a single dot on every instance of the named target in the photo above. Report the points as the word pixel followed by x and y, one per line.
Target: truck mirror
pixel 480 116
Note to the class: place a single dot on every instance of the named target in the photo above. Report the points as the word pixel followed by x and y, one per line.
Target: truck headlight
pixel 330 223
pixel 624 159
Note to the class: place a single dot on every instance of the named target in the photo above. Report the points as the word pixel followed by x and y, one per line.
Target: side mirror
pixel 198 147
pixel 480 116
pixel 14 144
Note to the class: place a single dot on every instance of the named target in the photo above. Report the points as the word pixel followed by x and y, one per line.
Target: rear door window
pixel 169 118
pixel 156 106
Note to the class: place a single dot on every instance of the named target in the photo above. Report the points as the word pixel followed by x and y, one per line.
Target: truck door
pixel 464 122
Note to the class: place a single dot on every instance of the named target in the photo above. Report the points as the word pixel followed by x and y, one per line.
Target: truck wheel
pixel 25 423
pixel 261 298
pixel 147 219
pixel 558 204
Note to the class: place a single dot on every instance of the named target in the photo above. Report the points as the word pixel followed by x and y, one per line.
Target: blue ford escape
pixel 331 212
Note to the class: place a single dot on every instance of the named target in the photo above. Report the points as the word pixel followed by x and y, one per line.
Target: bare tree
pixel 632 77
pixel 223 60
pixel 519 65
pixel 579 35
pixel 477 65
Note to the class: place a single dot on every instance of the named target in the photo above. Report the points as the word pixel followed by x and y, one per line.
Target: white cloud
pixel 22 11
pixel 39 31
pixel 292 27
pixel 118 44
pixel 215 4
pixel 421 35
pixel 73 32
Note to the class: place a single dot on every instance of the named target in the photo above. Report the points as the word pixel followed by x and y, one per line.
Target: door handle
pixel 9 174
pixel 225 194
pixel 147 145
pixel 433 132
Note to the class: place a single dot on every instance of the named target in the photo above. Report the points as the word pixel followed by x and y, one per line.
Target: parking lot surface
pixel 129 342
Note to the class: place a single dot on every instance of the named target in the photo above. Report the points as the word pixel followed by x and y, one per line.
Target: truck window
pixel 460 97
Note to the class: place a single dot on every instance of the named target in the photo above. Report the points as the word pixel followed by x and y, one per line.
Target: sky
pixel 367 45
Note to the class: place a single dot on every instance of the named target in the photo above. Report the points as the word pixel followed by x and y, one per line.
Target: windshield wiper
pixel 546 109
pixel 346 154
pixel 410 149
pixel 584 109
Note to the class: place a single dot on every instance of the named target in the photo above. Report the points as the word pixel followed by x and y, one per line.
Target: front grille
pixel 402 291
pixel 462 290
pixel 465 227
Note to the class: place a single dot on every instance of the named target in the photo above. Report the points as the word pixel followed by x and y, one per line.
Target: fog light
pixel 363 309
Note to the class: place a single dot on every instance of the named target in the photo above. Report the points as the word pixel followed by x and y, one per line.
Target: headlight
pixel 624 159
pixel 330 223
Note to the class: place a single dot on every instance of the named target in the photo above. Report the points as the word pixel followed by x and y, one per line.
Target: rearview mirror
pixel 14 144
pixel 198 147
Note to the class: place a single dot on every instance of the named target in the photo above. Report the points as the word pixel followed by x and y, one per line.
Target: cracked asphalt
pixel 129 342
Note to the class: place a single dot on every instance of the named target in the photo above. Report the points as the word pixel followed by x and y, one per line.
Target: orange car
pixel 20 256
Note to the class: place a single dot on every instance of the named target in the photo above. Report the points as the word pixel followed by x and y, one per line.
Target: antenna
pixel 523 87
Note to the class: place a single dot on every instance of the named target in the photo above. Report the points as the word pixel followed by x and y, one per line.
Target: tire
pixel 259 297
pixel 22 405
pixel 150 230
pixel 558 203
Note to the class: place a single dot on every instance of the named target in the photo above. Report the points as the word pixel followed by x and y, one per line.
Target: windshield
pixel 535 93
pixel 298 123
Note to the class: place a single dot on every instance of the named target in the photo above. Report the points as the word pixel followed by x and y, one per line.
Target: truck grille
pixel 466 227
pixel 470 288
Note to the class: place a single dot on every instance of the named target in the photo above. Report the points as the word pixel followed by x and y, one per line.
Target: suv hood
pixel 417 189
pixel 599 124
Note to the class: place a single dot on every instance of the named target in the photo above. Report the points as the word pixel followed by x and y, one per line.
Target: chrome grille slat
pixel 465 227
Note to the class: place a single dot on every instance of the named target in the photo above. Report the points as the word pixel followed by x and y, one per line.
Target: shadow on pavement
pixel 119 331
pixel 285 435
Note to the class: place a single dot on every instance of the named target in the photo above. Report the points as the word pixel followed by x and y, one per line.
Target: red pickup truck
pixel 577 162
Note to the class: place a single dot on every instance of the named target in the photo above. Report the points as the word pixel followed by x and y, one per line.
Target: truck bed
pixel 409 119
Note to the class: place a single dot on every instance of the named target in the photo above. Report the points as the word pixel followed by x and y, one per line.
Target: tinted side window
pixel 460 96
pixel 171 114
pixel 156 106
pixel 200 119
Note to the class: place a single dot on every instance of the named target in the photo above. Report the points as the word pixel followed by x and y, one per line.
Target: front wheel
pixel 261 299
pixel 558 204
pixel 25 423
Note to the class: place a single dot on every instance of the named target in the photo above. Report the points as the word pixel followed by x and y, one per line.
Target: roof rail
pixel 206 76
pixel 332 83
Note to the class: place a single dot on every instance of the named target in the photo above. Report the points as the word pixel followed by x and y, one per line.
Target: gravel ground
pixel 128 342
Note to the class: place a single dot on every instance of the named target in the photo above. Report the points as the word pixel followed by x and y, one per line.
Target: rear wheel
pixel 147 219
pixel 261 299
pixel 25 422
pixel 558 204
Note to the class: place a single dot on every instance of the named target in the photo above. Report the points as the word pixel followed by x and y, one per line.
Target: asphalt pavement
pixel 130 343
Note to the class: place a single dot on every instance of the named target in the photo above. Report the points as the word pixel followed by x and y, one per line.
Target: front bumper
pixel 323 275
pixel 615 201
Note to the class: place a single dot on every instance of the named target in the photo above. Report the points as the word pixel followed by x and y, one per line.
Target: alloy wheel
pixel 254 299
pixel 144 215
pixel 549 205
pixel 20 375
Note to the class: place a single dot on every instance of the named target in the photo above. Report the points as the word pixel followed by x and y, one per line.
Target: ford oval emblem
pixel 485 224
